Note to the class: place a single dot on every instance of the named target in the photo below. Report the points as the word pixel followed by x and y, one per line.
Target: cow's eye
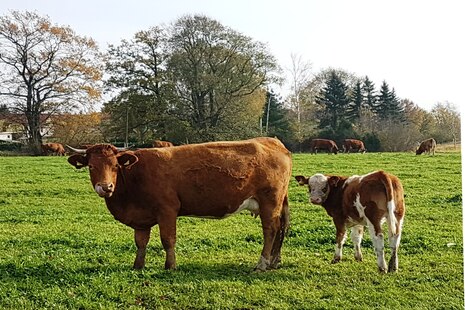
pixel 324 190
pixel 91 167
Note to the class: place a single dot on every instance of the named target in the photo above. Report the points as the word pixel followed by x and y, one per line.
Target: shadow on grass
pixel 49 273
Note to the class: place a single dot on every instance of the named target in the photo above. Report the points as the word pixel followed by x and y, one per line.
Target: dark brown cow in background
pixel 53 149
pixel 359 201
pixel 160 143
pixel 323 144
pixel 213 180
pixel 353 145
pixel 428 145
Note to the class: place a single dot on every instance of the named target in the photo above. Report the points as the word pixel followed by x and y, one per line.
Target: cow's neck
pixel 117 202
pixel 333 204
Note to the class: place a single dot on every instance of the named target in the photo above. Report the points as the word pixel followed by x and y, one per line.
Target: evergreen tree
pixel 334 102
pixel 356 98
pixel 274 120
pixel 389 106
pixel 369 96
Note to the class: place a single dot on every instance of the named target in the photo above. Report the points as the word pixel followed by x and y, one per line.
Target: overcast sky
pixel 417 47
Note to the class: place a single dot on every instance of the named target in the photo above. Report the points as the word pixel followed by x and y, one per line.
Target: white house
pixel 6 136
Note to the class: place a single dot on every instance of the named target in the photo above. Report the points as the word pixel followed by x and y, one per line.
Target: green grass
pixel 61 249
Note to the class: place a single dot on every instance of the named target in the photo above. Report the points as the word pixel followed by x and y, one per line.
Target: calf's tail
pixel 391 204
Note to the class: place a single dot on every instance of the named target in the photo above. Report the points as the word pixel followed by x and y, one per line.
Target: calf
pixel 359 201
pixel 428 145
pixel 353 144
pixel 323 144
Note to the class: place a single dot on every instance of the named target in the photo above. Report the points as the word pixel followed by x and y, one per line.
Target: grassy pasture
pixel 61 249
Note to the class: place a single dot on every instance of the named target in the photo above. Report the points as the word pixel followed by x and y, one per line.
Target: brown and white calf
pixel 358 201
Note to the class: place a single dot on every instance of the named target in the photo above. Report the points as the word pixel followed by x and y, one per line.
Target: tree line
pixel 193 80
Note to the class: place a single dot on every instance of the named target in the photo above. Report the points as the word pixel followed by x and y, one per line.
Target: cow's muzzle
pixel 104 189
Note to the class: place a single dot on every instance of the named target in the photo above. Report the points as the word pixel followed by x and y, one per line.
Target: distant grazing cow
pixel 428 145
pixel 53 149
pixel 212 180
pixel 323 144
pixel 359 201
pixel 159 143
pixel 353 145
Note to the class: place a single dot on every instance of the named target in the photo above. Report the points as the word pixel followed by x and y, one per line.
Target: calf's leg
pixel 394 242
pixel 340 240
pixel 141 237
pixel 378 243
pixel 357 235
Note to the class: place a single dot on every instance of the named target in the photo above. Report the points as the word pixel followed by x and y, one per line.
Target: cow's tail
pixel 391 204
pixel 285 218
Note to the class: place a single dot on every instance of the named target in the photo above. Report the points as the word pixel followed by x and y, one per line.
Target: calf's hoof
pixel 336 260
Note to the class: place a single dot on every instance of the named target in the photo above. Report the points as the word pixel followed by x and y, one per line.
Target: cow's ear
pixel 78 160
pixel 127 159
pixel 302 180
pixel 333 180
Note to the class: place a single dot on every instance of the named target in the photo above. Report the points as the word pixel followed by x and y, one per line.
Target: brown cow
pixel 160 143
pixel 212 180
pixel 359 201
pixel 53 149
pixel 428 145
pixel 323 144
pixel 353 144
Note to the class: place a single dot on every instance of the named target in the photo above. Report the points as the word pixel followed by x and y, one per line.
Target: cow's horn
pixel 80 151
pixel 121 149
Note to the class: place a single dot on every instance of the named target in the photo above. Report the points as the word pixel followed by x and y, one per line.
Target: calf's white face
pixel 318 188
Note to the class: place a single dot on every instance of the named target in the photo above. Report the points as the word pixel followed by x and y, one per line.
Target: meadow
pixel 61 249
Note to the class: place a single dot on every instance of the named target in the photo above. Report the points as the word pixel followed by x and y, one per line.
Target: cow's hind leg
pixel 271 226
pixel 378 243
pixel 141 237
pixel 280 235
pixel 168 240
pixel 394 242
pixel 357 235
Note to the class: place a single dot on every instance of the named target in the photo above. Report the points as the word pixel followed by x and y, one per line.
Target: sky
pixel 417 47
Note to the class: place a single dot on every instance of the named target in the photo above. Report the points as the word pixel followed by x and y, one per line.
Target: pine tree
pixel 389 106
pixel 356 98
pixel 334 101
pixel 369 96
pixel 274 120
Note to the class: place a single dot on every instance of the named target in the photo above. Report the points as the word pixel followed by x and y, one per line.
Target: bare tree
pixel 447 122
pixel 45 69
pixel 300 77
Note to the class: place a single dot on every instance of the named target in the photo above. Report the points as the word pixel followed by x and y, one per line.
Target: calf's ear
pixel 127 159
pixel 78 160
pixel 302 180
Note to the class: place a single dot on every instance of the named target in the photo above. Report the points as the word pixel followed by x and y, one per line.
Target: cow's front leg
pixel 340 240
pixel 168 240
pixel 141 238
